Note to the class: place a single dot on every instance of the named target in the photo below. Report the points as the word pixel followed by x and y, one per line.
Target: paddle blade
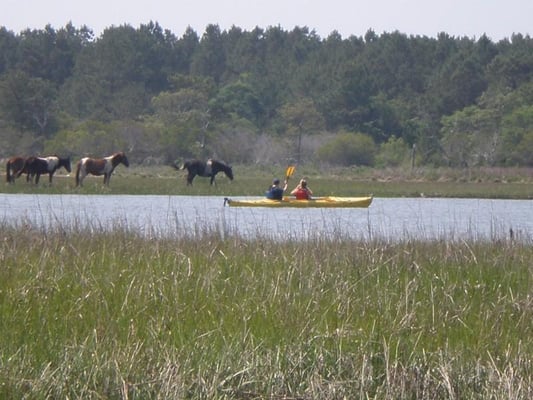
pixel 290 171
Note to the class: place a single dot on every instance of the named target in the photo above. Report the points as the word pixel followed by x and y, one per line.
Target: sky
pixel 498 19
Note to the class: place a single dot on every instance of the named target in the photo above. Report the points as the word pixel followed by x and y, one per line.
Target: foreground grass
pixel 510 183
pixel 116 316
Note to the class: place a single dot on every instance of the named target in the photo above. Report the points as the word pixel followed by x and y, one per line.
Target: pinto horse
pixel 208 169
pixel 99 166
pixel 35 166
pixel 15 168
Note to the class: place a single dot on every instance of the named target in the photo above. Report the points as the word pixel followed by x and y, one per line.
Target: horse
pixel 15 168
pixel 99 166
pixel 208 169
pixel 35 166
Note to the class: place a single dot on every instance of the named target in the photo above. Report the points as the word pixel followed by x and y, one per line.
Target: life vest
pixel 274 193
pixel 302 194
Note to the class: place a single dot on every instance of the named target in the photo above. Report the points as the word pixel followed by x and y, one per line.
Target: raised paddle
pixel 289 172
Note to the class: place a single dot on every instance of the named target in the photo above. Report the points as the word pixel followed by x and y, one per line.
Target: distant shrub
pixel 349 149
pixel 392 153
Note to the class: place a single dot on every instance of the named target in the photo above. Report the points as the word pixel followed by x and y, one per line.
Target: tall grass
pixel 113 315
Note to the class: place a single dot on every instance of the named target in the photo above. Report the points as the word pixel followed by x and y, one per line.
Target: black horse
pixel 35 166
pixel 206 169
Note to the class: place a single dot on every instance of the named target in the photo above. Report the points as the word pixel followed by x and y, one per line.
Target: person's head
pixel 303 183
pixel 275 182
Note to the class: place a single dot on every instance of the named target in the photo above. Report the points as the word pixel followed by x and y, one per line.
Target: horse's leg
pixel 50 177
pixel 8 177
pixel 10 174
pixel 81 173
pixel 37 177
pixel 78 174
pixel 190 177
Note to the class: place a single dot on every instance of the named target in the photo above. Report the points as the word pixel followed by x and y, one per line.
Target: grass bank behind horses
pixel 111 315
pixel 253 181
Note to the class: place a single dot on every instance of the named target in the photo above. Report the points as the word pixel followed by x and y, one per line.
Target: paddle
pixel 289 172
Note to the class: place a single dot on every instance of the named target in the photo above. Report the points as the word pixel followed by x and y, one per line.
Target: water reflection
pixel 389 219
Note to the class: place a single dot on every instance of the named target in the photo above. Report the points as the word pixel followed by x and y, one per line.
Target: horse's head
pixel 229 172
pixel 65 162
pixel 120 158
pixel 125 161
pixel 224 167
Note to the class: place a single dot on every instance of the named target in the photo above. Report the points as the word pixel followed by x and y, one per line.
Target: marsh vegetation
pixel 115 315
pixel 502 183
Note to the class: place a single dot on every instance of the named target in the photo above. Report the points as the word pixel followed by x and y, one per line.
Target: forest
pixel 266 96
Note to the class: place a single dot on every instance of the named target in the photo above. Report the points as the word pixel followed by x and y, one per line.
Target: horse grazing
pixel 15 168
pixel 207 169
pixel 35 166
pixel 99 166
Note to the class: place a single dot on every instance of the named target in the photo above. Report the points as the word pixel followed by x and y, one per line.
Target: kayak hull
pixel 320 202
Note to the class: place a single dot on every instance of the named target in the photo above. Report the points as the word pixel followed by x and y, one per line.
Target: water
pixel 180 216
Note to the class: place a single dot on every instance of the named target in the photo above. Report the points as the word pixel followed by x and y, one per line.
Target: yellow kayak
pixel 329 201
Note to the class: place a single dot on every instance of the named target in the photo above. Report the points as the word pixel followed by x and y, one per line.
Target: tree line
pixel 267 95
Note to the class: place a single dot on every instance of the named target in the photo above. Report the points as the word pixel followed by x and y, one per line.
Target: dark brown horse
pixel 99 166
pixel 14 168
pixel 35 166
pixel 206 169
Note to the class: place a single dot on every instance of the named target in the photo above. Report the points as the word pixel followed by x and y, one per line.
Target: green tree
pixel 471 137
pixel 185 47
pixel 28 103
pixel 301 118
pixel 458 82
pixel 513 65
pixel 183 117
pixel 209 60
pixel 51 54
pixel 8 50
pixel 517 133
pixel 394 152
pixel 238 99
pixel 349 149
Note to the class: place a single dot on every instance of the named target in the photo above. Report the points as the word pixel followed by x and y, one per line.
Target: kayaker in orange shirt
pixel 302 191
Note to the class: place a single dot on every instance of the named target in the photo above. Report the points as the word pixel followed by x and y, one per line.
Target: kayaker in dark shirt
pixel 275 191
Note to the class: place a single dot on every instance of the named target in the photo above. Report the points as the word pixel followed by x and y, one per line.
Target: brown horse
pixel 35 166
pixel 14 168
pixel 99 166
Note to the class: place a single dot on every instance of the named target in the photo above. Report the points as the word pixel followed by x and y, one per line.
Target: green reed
pixel 114 315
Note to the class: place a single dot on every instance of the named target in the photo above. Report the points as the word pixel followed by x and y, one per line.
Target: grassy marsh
pixel 510 183
pixel 119 316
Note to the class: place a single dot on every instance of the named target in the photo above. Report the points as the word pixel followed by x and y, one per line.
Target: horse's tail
pixel 176 166
pixel 78 169
pixel 25 168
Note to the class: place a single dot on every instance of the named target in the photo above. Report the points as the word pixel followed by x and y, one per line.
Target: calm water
pixel 391 219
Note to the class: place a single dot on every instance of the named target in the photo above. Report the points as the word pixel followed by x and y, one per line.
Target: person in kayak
pixel 275 191
pixel 302 191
